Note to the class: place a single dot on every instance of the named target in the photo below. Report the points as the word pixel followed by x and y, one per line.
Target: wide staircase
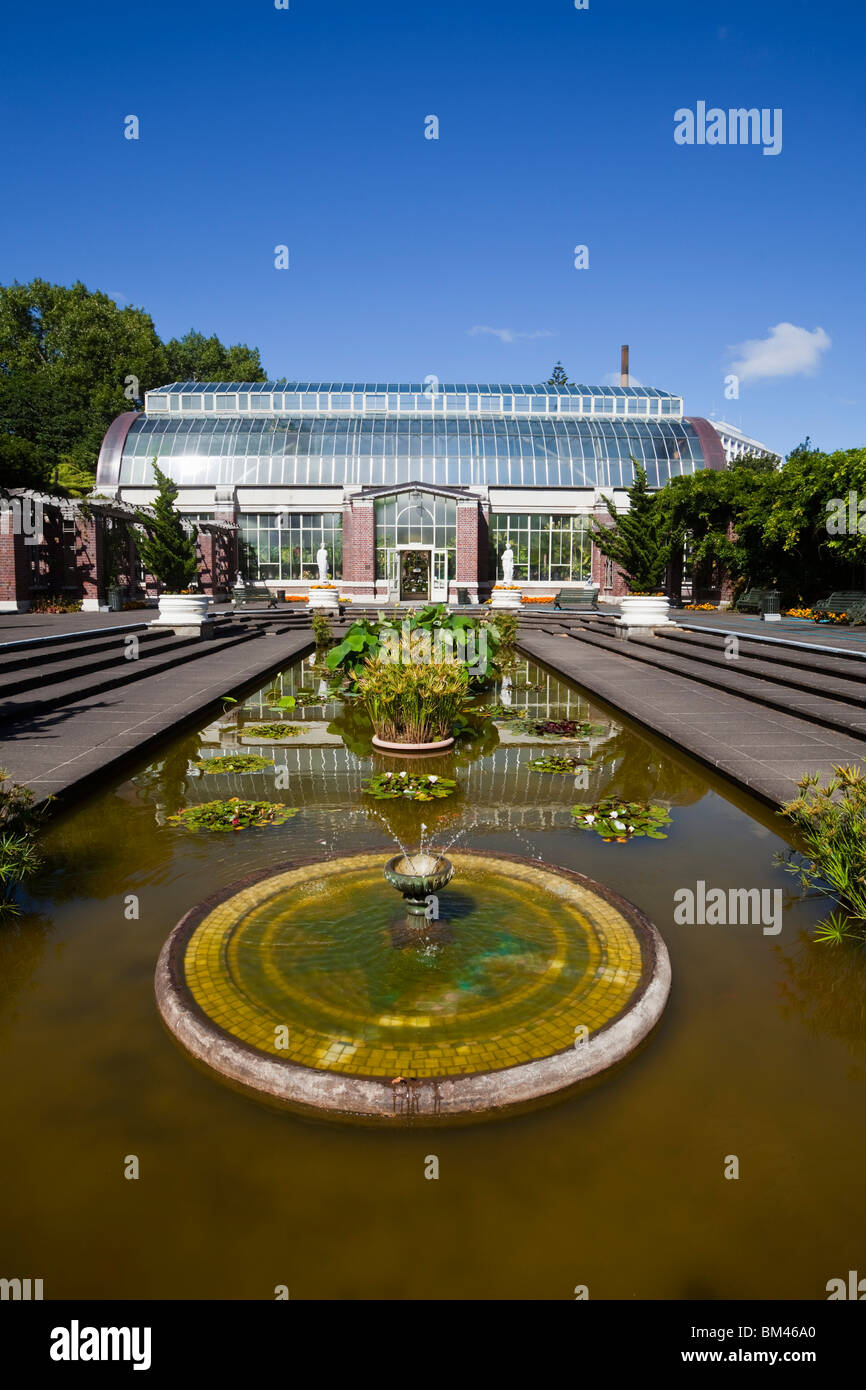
pixel 823 687
pixel 43 673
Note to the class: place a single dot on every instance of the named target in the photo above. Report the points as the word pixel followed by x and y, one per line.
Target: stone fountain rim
pixel 371 1100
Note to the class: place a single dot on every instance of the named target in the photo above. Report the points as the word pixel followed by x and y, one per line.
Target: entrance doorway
pixel 414 574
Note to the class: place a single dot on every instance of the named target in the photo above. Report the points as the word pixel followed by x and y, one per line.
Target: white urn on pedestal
pixel 644 610
pixel 324 597
pixel 185 613
pixel 503 597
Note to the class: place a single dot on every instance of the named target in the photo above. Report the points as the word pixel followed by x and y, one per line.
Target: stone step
pixel 79 663
pixel 764 665
pixel 175 651
pixel 827 713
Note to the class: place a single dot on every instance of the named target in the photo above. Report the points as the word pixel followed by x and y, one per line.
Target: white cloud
pixel 118 297
pixel 786 351
pixel 509 335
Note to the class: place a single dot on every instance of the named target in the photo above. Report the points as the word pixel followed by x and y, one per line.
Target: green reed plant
pixel 413 704
pixel 831 824
pixel 19 855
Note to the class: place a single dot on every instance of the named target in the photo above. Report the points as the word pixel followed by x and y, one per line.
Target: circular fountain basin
pixel 305 986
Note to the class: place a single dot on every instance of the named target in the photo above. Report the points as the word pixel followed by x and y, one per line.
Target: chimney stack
pixel 623 370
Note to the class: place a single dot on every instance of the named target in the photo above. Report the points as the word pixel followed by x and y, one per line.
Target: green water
pixel 759 1054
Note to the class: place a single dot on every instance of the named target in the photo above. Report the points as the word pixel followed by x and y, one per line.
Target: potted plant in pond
pixel 413 708
pixel 168 553
pixel 637 544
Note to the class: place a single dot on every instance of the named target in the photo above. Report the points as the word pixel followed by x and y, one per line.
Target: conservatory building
pixel 414 493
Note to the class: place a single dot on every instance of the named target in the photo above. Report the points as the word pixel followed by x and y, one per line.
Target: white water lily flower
pixel 431 778
pixel 402 774
pixel 589 819
pixel 619 825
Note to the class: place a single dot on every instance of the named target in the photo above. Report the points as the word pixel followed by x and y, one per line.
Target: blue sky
pixel 305 127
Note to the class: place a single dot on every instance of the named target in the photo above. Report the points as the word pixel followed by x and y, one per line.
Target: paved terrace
pixel 59 733
pixel 793 701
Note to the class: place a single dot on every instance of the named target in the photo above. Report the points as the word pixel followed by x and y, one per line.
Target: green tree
pixel 636 541
pixel 23 464
pixel 68 357
pixel 165 549
pixel 71 360
pixel 196 358
pixel 559 376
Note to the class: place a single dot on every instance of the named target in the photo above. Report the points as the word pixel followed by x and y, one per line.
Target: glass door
pixel 439 577
pixel 393 561
pixel 414 574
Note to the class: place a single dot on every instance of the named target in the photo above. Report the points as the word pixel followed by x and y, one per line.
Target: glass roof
pixel 411 388
pixel 293 451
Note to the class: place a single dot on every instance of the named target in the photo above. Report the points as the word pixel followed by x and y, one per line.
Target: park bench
pixel 849 601
pixel 254 593
pixel 576 598
pixel 753 601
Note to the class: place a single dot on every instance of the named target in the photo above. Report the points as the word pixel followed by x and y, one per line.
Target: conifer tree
pixel 636 540
pixel 559 377
pixel 165 549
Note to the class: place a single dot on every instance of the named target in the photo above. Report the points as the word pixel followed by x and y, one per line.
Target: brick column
pixel 359 551
pixel 226 509
pixel 204 551
pixel 14 584
pixel 89 559
pixel 619 587
pixel 468 550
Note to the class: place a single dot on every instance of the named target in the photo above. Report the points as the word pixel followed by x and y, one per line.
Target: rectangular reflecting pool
pixel 620 1186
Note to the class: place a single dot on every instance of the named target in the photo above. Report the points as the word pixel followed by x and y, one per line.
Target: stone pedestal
pixel 324 598
pixel 505 598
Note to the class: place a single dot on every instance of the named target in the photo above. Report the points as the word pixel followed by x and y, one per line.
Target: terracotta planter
pixel 412 749
pixel 644 610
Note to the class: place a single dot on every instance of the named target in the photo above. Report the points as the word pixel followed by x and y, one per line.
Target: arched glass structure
pixel 449 451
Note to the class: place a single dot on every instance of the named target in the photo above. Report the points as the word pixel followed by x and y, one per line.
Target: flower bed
pixel 701 608
pixel 613 819
pixel 543 599
pixel 52 604
pixel 234 814
pixel 414 786
pixel 297 598
pixel 799 613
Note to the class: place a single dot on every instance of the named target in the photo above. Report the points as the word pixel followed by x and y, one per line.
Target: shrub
pixel 506 626
pixel 321 629
pixel 413 704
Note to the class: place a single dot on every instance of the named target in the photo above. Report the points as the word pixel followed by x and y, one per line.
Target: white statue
pixel 239 580
pixel 322 562
pixel 507 565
